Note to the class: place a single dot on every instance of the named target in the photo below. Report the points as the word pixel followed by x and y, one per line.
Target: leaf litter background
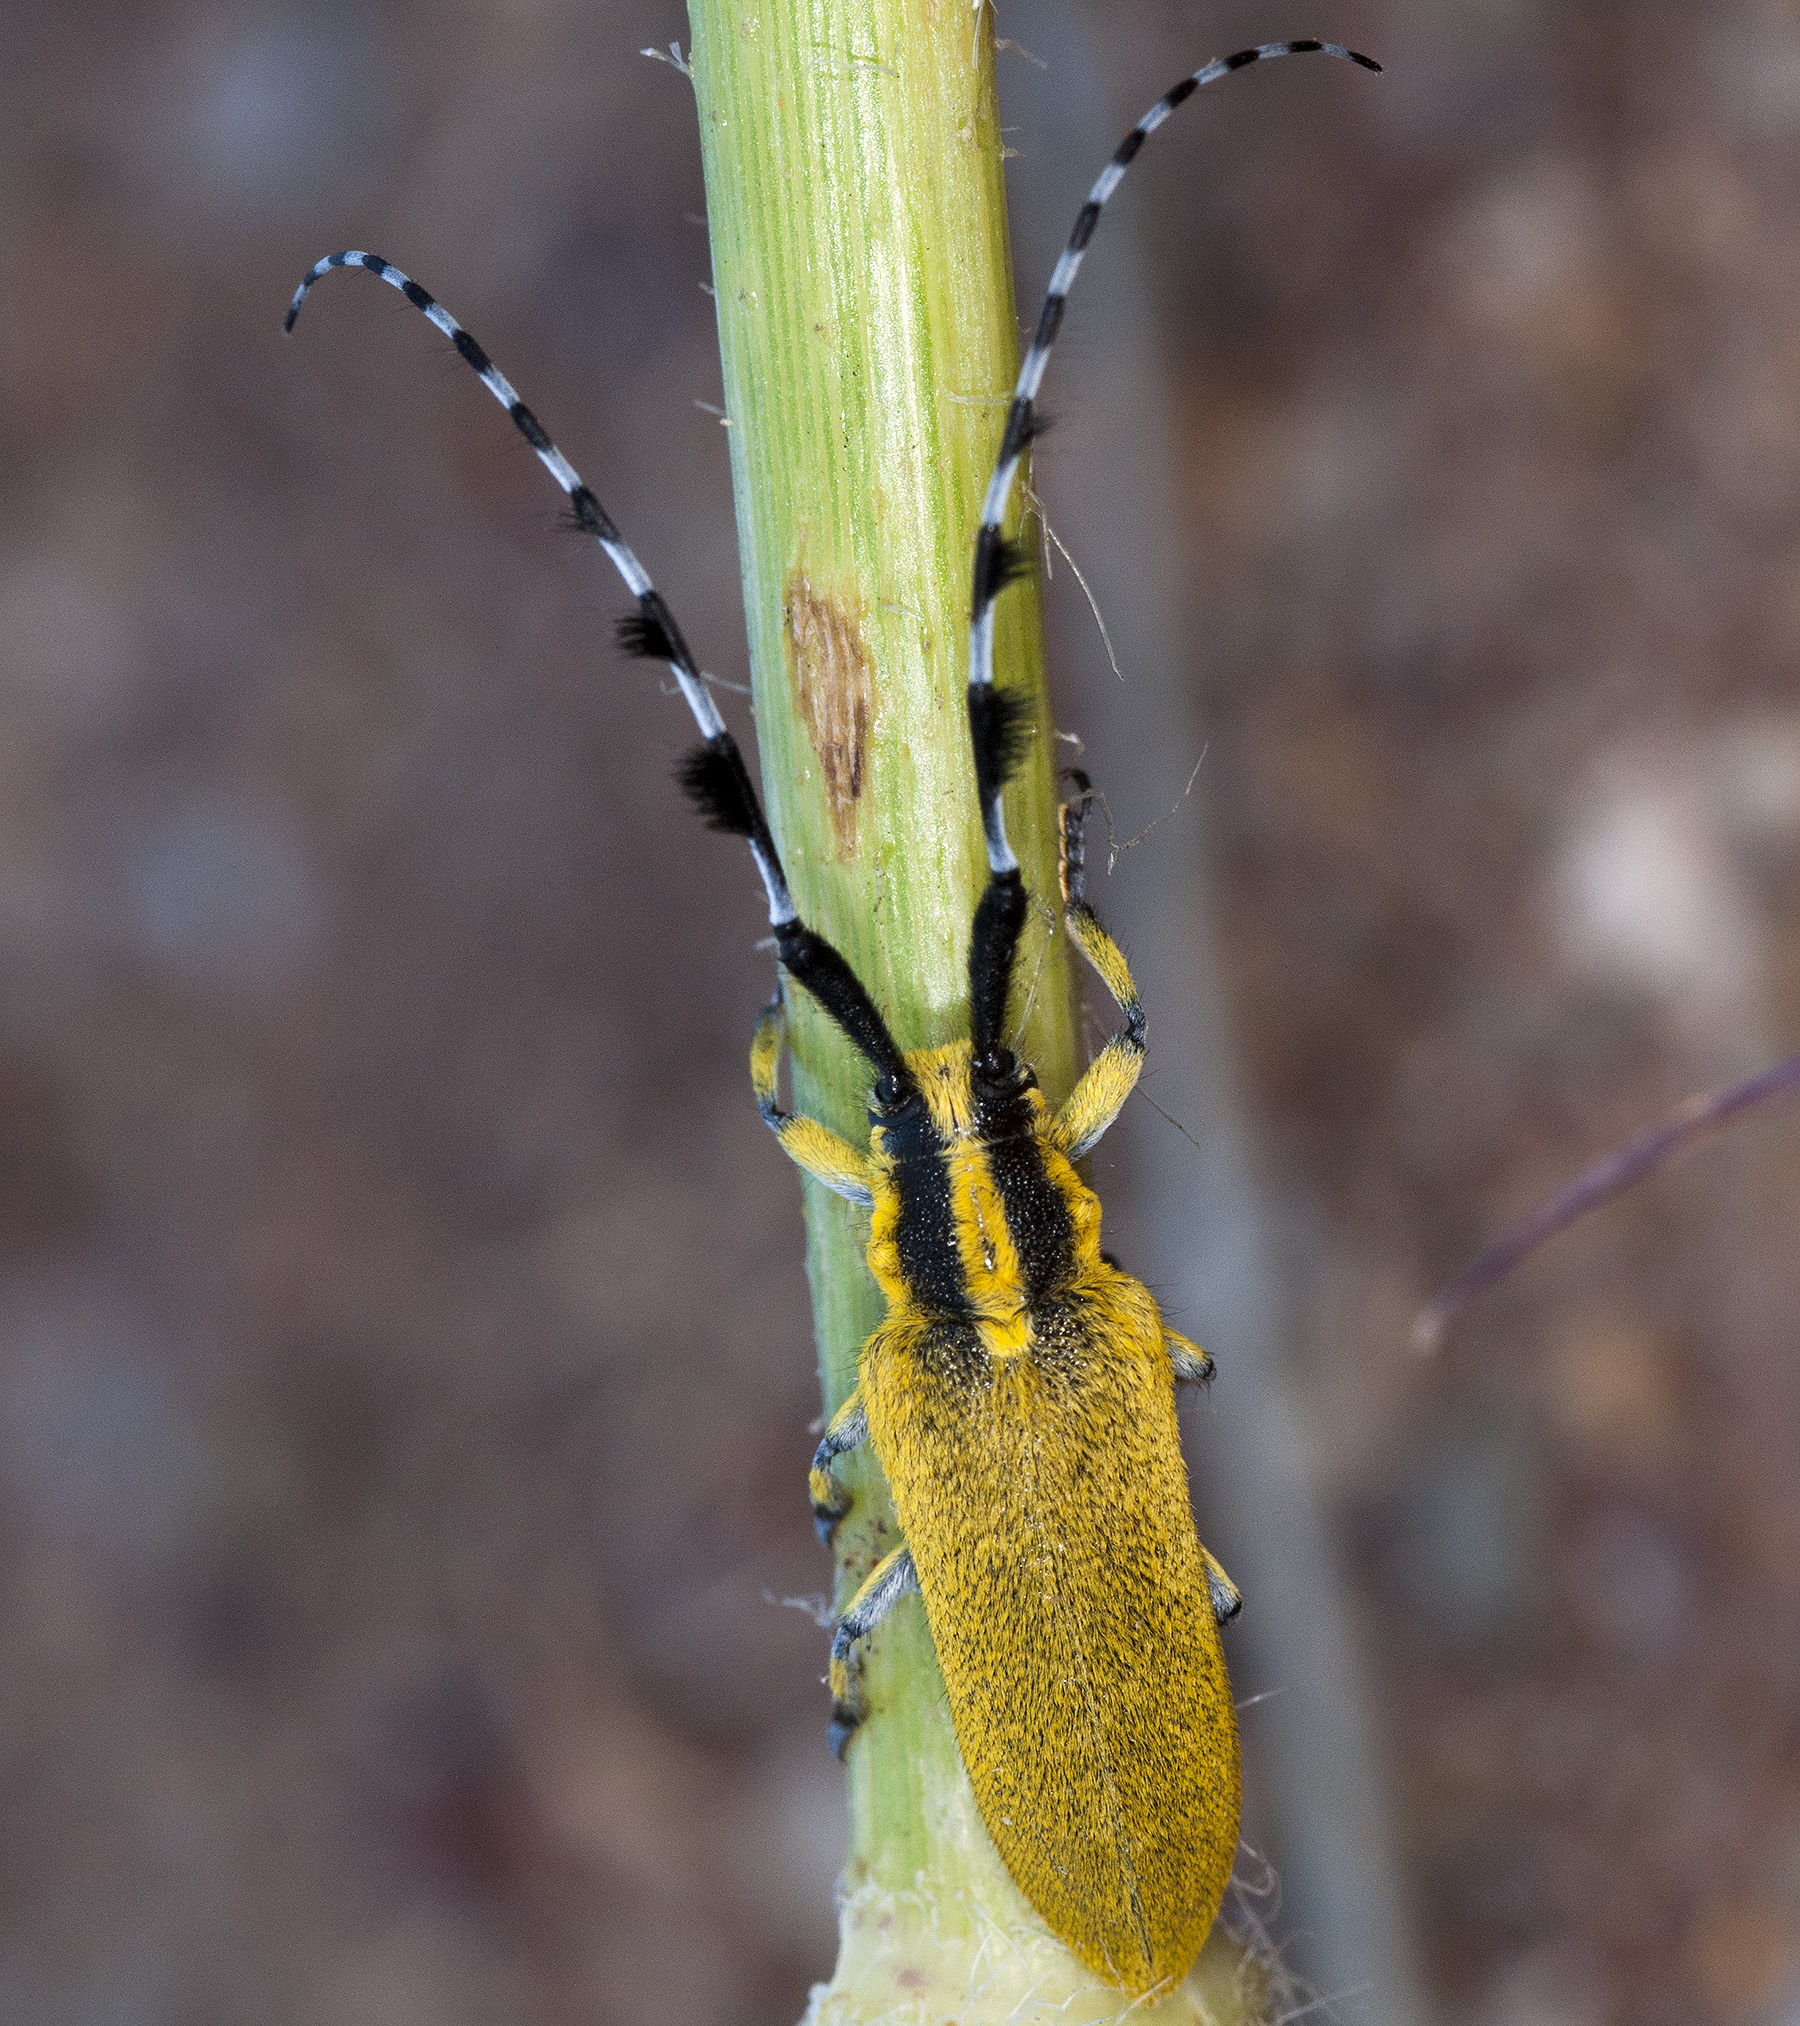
pixel 404 1363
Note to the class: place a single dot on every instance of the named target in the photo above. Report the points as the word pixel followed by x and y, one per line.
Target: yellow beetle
pixel 1019 1395
pixel 1020 1399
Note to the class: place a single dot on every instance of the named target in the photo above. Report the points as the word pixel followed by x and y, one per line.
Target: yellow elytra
pixel 1020 1398
pixel 1019 1394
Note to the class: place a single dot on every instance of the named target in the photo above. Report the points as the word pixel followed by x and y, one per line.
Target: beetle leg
pixel 1227 1598
pixel 1193 1366
pixel 814 1147
pixel 849 1429
pixel 893 1576
pixel 1112 1075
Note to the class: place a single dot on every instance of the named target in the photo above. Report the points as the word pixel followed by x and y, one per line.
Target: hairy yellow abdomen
pixel 1045 1504
pixel 1020 1395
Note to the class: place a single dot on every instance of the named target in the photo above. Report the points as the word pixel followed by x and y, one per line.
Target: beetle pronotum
pixel 1019 1394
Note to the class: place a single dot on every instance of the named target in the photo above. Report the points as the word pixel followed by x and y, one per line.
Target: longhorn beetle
pixel 1019 1394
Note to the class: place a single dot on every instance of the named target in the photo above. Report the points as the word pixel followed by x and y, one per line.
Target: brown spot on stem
pixel 828 666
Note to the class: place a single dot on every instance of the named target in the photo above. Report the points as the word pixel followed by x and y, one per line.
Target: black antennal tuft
pixel 1025 423
pixel 643 634
pixel 713 778
pixel 998 563
pixel 1001 727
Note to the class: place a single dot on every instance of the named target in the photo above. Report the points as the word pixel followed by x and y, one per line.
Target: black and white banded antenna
pixel 714 774
pixel 999 722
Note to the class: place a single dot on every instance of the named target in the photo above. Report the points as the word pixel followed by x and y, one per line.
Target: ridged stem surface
pixel 860 259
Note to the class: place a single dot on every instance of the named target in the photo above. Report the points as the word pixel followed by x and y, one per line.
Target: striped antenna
pixel 714 774
pixel 651 630
pixel 997 562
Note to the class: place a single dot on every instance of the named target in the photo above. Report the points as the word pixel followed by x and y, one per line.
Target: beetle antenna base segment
pixel 1019 1394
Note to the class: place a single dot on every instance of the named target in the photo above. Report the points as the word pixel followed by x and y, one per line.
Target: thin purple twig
pixel 1698 1119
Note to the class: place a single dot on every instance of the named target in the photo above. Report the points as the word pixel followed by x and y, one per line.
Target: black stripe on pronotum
pixel 1019 1395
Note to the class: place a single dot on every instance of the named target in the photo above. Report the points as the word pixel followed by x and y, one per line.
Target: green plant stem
pixel 866 321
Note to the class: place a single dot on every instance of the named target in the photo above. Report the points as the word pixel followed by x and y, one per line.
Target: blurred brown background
pixel 404 1362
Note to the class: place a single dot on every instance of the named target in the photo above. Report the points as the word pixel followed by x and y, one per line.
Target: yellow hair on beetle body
pixel 1040 1488
pixel 1020 1398
pixel 1019 1394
